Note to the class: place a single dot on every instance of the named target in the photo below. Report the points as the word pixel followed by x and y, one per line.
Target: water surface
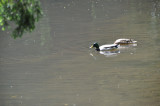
pixel 54 66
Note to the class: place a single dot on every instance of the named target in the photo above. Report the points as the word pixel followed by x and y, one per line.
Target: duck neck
pixel 97 48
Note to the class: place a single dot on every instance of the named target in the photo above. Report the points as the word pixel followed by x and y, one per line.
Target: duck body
pixel 108 47
pixel 125 41
pixel 104 47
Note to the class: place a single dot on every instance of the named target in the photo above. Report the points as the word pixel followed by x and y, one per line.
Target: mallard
pixel 104 47
pixel 125 41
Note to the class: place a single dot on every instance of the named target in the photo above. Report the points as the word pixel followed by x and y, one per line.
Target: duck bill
pixel 91 46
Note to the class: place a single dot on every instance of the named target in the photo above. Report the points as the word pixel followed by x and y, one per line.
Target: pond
pixel 54 66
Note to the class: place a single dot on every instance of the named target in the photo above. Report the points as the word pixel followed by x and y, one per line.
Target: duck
pixel 104 47
pixel 125 41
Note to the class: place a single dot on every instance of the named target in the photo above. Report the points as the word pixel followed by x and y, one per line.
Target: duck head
pixel 96 46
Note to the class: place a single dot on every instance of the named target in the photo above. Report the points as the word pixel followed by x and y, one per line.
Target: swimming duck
pixel 125 41
pixel 104 47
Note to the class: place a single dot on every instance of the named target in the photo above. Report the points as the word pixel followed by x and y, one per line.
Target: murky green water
pixel 54 66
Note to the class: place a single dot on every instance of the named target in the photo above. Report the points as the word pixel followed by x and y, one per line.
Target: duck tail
pixel 117 45
pixel 134 41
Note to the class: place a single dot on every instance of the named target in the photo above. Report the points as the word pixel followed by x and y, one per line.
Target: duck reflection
pixel 110 53
pixel 127 48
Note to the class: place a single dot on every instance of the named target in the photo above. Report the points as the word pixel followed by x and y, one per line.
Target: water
pixel 54 66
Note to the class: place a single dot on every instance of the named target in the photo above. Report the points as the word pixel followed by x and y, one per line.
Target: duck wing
pixel 108 46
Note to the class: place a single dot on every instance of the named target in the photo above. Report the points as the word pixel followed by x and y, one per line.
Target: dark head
pixel 96 46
